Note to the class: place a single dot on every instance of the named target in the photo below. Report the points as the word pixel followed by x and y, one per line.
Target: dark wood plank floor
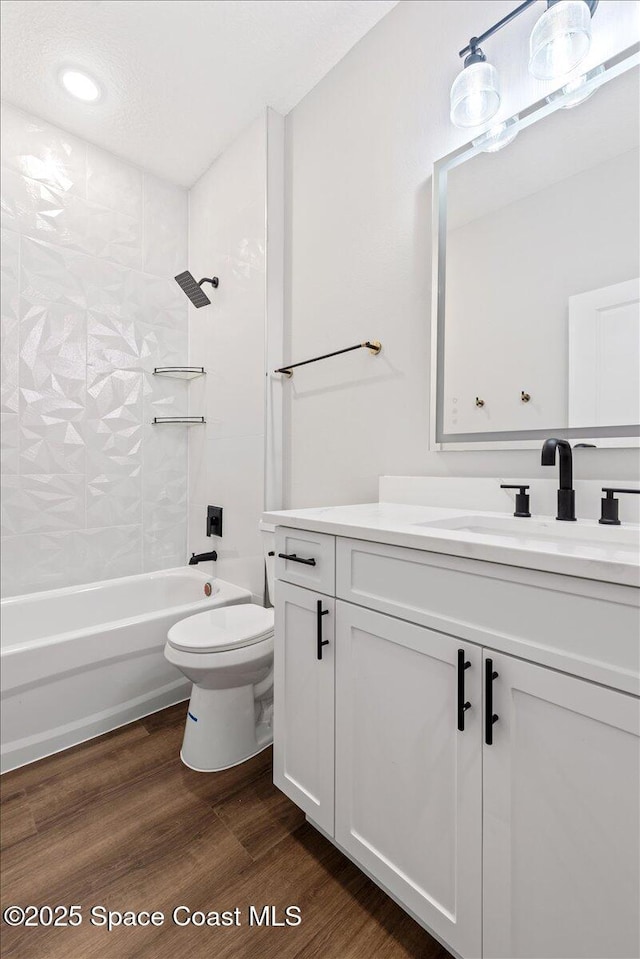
pixel 120 822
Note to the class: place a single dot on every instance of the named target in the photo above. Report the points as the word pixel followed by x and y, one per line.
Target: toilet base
pixel 221 729
pixel 219 769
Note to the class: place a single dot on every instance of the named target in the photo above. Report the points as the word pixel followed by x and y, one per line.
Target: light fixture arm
pixel 474 43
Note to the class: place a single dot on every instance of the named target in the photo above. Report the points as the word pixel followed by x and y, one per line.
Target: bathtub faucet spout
pixel 203 557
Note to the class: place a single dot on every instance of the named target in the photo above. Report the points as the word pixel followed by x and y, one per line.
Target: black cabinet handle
pixel 320 612
pixel 297 559
pixel 490 717
pixel 462 705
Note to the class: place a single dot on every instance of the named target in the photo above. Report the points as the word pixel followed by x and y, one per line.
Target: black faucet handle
pixel 522 498
pixel 609 505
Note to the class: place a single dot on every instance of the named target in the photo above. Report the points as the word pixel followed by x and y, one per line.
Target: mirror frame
pixel 620 437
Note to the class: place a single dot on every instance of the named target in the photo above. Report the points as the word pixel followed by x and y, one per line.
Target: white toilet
pixel 227 653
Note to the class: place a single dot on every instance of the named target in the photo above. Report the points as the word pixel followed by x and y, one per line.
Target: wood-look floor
pixel 120 822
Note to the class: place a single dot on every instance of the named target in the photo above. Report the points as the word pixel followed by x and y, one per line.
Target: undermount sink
pixel 545 530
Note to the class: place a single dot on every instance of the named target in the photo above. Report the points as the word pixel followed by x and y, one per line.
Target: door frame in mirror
pixel 603 437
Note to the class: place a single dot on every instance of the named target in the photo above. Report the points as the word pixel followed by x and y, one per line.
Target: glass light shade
pixel 577 91
pixel 475 95
pixel 560 39
pixel 498 136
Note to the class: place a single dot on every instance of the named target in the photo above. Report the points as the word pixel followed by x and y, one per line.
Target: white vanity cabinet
pixel 561 816
pixel 408 780
pixel 513 838
pixel 304 714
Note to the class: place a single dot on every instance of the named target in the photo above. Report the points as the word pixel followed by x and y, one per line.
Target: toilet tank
pixel 268 532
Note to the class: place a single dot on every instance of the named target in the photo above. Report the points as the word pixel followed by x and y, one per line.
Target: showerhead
pixel 193 290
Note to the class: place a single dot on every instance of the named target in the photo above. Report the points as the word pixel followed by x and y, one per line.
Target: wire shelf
pixel 189 420
pixel 181 372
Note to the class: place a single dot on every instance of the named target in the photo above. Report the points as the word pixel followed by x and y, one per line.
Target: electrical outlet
pixel 214 520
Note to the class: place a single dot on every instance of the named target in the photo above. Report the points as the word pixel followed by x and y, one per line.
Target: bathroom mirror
pixel 536 264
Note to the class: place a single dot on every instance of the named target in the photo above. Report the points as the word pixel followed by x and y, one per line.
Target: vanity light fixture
pixel 475 96
pixel 80 85
pixel 561 38
pixel 560 41
pixel 498 136
pixel 577 91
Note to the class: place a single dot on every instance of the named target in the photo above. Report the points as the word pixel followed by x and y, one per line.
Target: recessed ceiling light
pixel 80 85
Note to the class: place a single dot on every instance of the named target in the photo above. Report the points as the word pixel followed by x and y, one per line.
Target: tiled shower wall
pixel 227 237
pixel 90 489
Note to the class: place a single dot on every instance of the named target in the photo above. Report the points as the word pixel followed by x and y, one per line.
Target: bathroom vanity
pixel 456 708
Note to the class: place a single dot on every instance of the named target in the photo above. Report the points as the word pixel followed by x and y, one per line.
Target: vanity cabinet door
pixel 561 849
pixel 408 780
pixel 304 698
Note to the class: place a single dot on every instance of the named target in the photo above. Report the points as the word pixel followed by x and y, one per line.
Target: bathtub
pixel 79 661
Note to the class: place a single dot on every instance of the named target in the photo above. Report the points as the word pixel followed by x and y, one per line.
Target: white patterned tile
pixel 44 503
pixel 50 274
pixel 43 152
pixel 164 450
pixel 10 347
pixel 160 347
pixel 52 358
pixel 113 235
pixel 50 444
pixel 165 396
pixel 161 303
pixel 80 344
pixel 38 210
pixel 235 470
pixel 114 498
pixel 165 538
pixel 112 343
pixel 40 561
pixel 110 552
pixel 165 489
pixel 165 221
pixel 105 287
pixel 165 499
pixel 114 399
pixel 9 443
pixel 113 183
pixel 10 258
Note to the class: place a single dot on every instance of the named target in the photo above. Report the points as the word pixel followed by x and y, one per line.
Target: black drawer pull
pixel 462 705
pixel 297 559
pixel 320 612
pixel 490 717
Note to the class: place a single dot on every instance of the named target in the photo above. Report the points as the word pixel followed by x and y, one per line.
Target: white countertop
pixel 604 553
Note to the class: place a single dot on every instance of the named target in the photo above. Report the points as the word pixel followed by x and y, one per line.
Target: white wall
pixel 228 238
pixel 359 155
pixel 90 245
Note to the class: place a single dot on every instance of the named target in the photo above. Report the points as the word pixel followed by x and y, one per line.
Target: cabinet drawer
pixel 320 574
pixel 578 626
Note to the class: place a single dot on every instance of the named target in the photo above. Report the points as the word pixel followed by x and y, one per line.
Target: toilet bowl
pixel 227 653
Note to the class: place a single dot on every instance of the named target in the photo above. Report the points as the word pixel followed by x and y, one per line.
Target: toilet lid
pixel 226 627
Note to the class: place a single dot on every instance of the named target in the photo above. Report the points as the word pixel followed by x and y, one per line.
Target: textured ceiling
pixel 181 78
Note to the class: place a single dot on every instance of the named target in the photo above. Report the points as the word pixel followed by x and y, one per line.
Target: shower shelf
pixel 182 372
pixel 189 420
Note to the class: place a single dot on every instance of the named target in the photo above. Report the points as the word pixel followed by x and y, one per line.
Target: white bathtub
pixel 79 661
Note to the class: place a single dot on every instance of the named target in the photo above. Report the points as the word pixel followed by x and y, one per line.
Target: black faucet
pixel 203 557
pixel 566 493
